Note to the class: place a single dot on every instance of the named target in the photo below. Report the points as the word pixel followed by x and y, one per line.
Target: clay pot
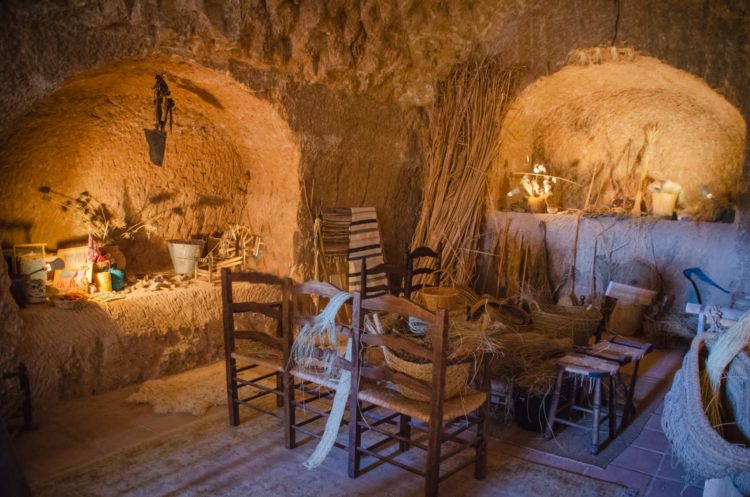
pixel 537 205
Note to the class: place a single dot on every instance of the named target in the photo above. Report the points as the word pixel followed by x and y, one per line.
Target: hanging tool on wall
pixel 163 110
pixel 163 104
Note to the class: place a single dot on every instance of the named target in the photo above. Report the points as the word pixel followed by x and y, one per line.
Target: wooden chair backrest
pixel 302 312
pixel 394 274
pixel 411 271
pixel 277 310
pixel 437 355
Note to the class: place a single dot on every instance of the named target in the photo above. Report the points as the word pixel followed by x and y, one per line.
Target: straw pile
pixel 461 143
pixel 530 360
pixel 587 122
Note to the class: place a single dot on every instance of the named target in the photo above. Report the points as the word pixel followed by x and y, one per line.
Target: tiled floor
pixel 83 430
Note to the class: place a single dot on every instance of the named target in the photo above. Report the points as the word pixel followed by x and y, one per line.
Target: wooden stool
pixel 623 352
pixel 593 369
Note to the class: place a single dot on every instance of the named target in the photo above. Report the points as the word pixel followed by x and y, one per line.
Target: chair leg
pixel 480 466
pixel 404 430
pixel 596 412
pixel 355 439
pixel 289 414
pixel 629 407
pixel 432 473
pixel 552 415
pixel 280 389
pixel 613 406
pixel 232 394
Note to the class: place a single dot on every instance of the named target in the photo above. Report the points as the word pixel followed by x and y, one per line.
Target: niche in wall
pixel 590 123
pixel 230 158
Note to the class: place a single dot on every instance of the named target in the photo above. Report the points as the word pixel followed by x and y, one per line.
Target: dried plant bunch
pixel 103 225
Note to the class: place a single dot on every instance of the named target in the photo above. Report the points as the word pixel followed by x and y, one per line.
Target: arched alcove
pixel 587 123
pixel 230 158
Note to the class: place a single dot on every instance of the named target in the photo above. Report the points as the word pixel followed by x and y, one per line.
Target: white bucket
pixel 184 253
pixel 663 203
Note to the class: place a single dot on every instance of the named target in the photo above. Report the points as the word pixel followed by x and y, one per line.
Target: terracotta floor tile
pixel 638 459
pixel 668 488
pixel 654 440
pixel 654 422
pixel 671 469
pixel 623 476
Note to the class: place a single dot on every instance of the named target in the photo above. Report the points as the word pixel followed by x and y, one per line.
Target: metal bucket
pixel 184 253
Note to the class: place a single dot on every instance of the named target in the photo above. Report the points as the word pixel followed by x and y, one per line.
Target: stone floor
pixel 82 430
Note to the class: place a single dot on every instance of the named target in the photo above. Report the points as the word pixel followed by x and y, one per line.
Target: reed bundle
pixel 462 141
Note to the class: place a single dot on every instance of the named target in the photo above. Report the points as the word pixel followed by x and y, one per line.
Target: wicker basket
pixel 456 376
pixel 695 443
pixel 559 321
pixel 440 297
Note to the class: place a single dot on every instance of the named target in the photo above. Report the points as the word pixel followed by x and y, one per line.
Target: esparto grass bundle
pixel 461 144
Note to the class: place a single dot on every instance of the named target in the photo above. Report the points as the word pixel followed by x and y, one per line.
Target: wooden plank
pixel 254 277
pixel 269 309
pixel 616 349
pixel 398 305
pixel 587 365
pixel 260 336
pixel 319 288
pixel 630 294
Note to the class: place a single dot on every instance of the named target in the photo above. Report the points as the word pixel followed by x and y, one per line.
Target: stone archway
pixel 230 158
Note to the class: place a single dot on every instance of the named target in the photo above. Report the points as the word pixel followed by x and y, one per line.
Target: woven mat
pixel 209 458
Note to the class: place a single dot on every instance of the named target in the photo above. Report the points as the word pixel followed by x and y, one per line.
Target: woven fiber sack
pixel 558 321
pixel 700 449
pixel 456 376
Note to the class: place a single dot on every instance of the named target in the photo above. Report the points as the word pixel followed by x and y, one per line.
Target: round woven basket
pixel 560 321
pixel 456 376
pixel 439 297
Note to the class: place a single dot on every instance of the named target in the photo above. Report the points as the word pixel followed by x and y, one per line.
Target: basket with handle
pixel 440 297
pixel 456 375
pixel 560 321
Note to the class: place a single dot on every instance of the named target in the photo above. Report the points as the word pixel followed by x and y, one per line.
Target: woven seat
pixel 458 407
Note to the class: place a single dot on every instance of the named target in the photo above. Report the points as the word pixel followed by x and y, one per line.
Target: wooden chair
pixel 442 420
pixel 311 386
pixel 422 271
pixel 395 275
pixel 280 342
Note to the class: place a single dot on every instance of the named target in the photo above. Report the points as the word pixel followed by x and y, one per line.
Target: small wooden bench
pixel 594 370
pixel 623 352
